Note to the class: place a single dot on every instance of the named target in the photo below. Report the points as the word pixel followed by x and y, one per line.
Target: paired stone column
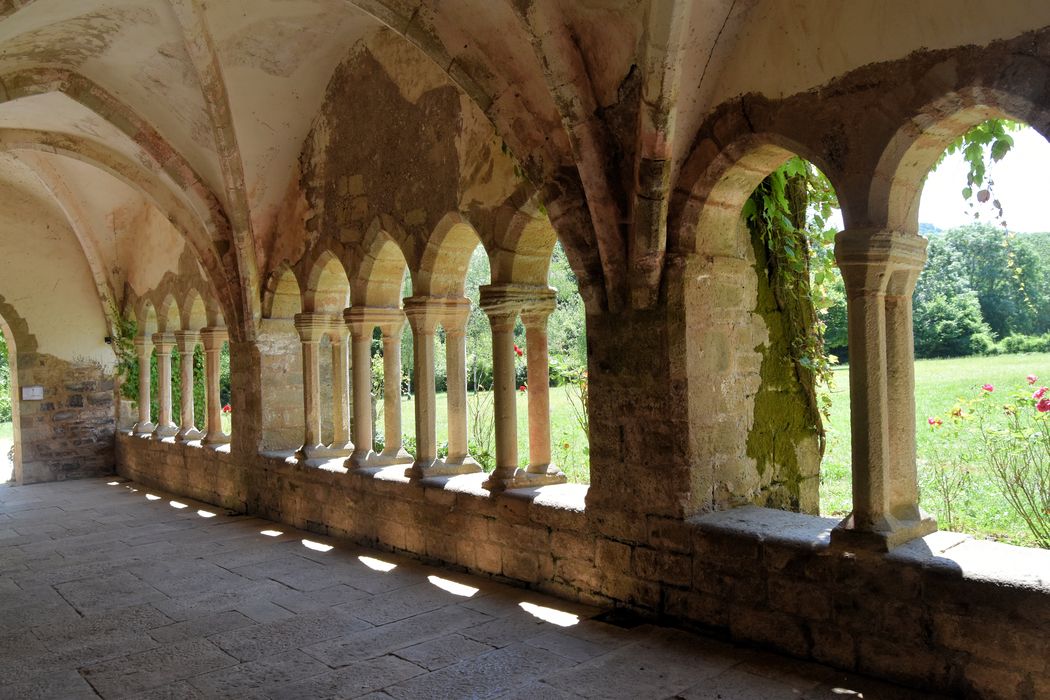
pixel 391 322
pixel 144 347
pixel 341 445
pixel 187 344
pixel 880 269
pixel 538 364
pixel 311 327
pixel 212 338
pixel 454 321
pixel 503 303
pixel 361 366
pixel 164 343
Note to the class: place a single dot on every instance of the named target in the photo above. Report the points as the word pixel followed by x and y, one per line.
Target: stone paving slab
pixel 105 592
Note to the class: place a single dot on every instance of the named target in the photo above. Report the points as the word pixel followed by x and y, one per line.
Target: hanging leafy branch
pixel 986 143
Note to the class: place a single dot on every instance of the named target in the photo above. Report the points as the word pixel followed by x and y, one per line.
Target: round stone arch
pixel 915 147
pixel 283 297
pixel 714 287
pixel 327 288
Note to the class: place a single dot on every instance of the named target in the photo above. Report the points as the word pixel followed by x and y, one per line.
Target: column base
pixel 422 470
pixel 163 432
pixel 322 452
pixel 533 476
pixel 188 435
pixel 212 440
pixel 390 459
pixel 360 459
pixel 143 429
pixel 890 533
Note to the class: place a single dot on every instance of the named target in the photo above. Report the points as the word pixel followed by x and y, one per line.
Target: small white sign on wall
pixel 32 393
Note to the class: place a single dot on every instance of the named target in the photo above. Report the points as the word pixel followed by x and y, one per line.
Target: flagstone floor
pixel 109 589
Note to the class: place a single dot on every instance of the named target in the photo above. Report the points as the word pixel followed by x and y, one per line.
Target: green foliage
pixel 986 143
pixel 950 327
pixel 127 368
pixel 5 381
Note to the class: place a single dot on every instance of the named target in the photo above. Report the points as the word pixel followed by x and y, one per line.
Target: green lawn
pixel 569 447
pixel 939 385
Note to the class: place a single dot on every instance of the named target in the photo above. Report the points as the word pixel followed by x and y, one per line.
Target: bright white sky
pixel 1022 185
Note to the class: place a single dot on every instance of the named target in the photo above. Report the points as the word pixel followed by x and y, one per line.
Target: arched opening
pixel 10 428
pixel 981 313
pixel 327 296
pixel 765 240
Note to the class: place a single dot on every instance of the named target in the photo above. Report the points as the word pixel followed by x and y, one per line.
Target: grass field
pixel 939 384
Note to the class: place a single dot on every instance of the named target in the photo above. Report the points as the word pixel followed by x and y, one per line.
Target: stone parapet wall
pixel 945 612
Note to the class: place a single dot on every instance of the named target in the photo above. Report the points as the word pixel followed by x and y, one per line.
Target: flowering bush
pixel 227 409
pixel 1014 440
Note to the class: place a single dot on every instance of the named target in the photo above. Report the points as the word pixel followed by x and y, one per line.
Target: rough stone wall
pixel 281 375
pixel 939 613
pixel 69 434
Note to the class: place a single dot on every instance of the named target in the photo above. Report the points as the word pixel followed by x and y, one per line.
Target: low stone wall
pixel 946 612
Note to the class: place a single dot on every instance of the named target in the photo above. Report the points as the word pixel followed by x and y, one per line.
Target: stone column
pixel 534 317
pixel 213 338
pixel 879 269
pixel 341 445
pixel 144 346
pixel 187 343
pixel 457 314
pixel 164 342
pixel 423 317
pixel 502 308
pixel 361 366
pixel 391 322
pixel 311 326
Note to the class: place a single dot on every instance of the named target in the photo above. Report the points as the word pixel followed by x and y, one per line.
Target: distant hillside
pixel 928 230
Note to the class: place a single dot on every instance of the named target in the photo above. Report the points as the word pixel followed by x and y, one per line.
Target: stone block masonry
pixel 69 434
pixel 944 612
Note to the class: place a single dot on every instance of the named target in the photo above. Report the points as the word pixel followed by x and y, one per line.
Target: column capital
pixel 187 341
pixel 425 313
pixel 312 326
pixel 143 342
pixel 164 342
pixel 213 337
pixel 389 319
pixel 505 299
pixel 876 261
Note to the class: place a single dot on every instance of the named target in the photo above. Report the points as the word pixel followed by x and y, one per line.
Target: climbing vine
pixel 986 143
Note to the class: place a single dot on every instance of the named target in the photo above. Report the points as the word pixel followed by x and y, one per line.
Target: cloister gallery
pixel 273 174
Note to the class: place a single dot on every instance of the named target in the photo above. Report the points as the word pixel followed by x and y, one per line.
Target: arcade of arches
pixel 267 173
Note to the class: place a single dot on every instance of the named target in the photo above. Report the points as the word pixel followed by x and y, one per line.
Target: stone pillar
pixel 534 317
pixel 212 339
pixel 311 326
pixel 423 317
pixel 341 445
pixel 880 269
pixel 187 343
pixel 502 309
pixel 164 342
pixel 361 366
pixel 457 314
pixel 391 322
pixel 144 346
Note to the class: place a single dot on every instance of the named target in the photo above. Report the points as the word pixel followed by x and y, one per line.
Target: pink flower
pixel 934 421
pixel 518 351
pixel 1044 405
pixel 1032 378
pixel 989 388
pixel 523 388
pixel 227 409
pixel 1039 393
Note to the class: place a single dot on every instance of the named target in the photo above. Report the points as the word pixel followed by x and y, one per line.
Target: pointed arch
pixel 443 266
pixel 193 311
pixel 146 317
pixel 327 285
pixel 381 274
pixel 283 298
pixel 168 320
